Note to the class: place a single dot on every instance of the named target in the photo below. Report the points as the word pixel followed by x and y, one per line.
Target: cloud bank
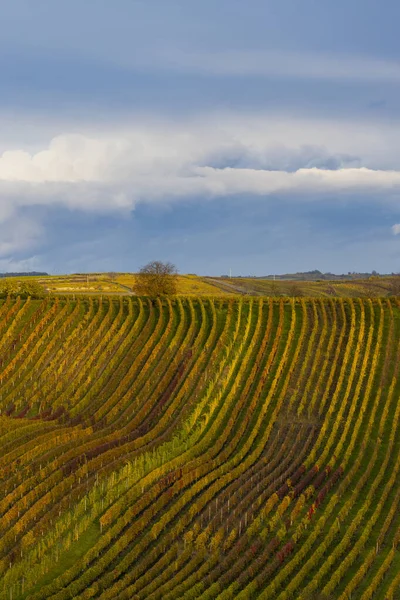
pixel 179 160
pixel 111 172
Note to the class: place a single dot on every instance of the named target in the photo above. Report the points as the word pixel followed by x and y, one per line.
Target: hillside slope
pixel 199 448
pixel 193 285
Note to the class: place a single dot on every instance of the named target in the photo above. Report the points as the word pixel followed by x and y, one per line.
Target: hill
pixel 199 448
pixel 25 274
pixel 193 285
pixel 317 275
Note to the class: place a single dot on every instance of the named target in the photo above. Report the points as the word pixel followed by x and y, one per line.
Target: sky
pixel 259 136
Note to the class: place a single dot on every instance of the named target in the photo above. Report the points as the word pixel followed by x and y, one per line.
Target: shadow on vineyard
pixel 213 447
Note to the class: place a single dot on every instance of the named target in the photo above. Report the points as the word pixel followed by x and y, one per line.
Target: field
pixel 216 447
pixel 123 283
pixel 193 285
pixel 353 288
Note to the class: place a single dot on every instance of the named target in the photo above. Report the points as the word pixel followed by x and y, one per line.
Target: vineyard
pixel 199 448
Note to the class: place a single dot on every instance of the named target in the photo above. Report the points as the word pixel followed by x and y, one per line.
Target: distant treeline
pixel 24 274
pixel 317 276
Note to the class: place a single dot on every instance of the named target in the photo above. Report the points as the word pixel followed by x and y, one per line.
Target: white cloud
pixel 112 173
pixel 396 229
pixel 102 171
pixel 231 181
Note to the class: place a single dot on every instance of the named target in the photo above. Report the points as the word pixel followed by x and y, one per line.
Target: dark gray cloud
pixel 281 158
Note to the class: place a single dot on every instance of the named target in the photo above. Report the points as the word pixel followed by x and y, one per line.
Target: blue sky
pixel 258 136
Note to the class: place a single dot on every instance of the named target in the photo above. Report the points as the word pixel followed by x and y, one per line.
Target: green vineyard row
pixel 211 448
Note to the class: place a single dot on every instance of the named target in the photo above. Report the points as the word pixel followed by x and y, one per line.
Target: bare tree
pixel 156 279
pixel 274 289
pixel 294 290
